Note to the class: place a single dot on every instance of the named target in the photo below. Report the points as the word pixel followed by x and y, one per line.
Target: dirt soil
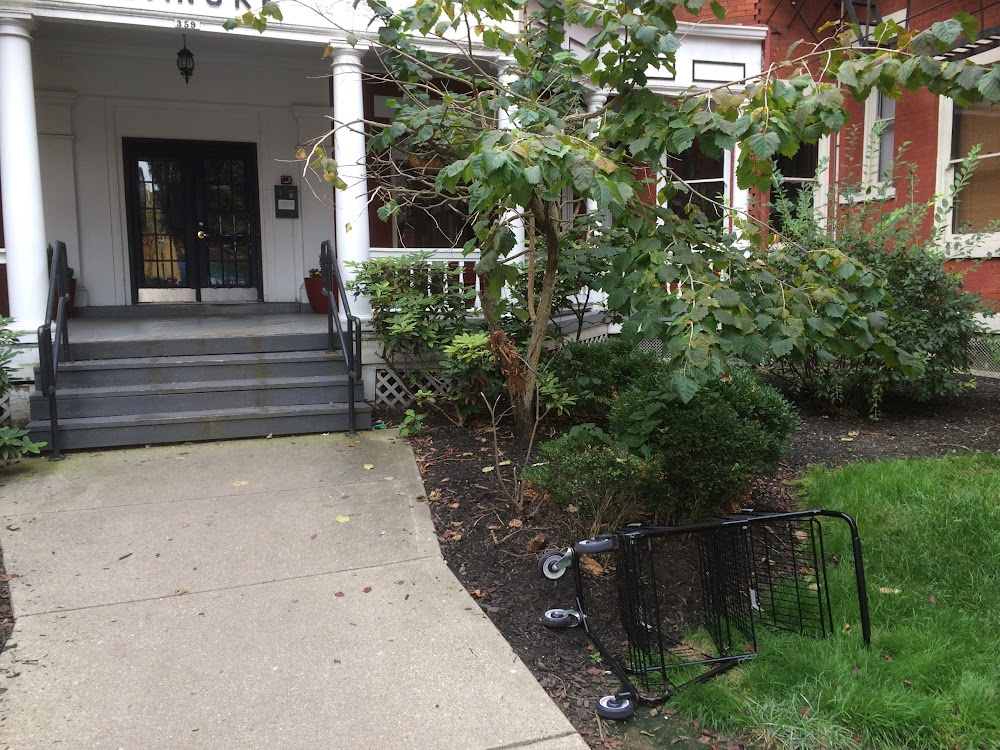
pixel 494 547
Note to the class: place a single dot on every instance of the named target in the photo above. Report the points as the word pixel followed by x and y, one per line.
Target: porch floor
pixel 89 330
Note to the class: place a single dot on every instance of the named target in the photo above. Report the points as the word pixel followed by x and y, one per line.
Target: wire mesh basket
pixel 671 606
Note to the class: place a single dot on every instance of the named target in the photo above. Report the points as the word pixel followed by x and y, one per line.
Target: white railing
pixel 454 256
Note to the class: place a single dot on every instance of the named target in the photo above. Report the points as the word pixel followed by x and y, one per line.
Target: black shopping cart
pixel 672 606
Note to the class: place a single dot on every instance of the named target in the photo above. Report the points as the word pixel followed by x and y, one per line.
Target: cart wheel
pixel 615 708
pixel 548 562
pixel 560 618
pixel 593 546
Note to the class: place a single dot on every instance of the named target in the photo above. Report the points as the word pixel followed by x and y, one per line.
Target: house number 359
pixel 185 24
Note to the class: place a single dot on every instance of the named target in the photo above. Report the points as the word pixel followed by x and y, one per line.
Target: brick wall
pixel 982 277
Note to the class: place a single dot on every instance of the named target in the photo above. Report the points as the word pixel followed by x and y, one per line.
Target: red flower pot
pixel 318 301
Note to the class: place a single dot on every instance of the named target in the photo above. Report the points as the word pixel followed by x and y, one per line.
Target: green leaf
pixel 764 145
pixel 533 175
pixel 756 349
pixel 685 387
pixel 989 85
pixel 782 347
pixel 717 10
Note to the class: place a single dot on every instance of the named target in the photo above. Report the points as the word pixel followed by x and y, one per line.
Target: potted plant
pixel 318 301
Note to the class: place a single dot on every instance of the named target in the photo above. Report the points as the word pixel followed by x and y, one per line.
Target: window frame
pixel 946 170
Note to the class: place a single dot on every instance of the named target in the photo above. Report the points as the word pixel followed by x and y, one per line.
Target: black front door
pixel 193 221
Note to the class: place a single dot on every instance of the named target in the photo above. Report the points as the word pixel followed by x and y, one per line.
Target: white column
pixel 353 242
pixel 24 221
pixel 506 77
pixel 595 100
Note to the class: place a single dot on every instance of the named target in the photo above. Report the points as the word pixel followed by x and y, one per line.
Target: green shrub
pixel 710 447
pixel 596 373
pixel 608 485
pixel 469 374
pixel 14 442
pixel 925 311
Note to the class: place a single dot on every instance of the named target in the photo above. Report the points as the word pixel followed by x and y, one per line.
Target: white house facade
pixel 174 190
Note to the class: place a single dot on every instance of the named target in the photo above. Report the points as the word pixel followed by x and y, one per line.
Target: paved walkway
pixel 269 594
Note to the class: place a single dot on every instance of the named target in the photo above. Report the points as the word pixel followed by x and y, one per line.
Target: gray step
pixel 192 368
pixel 166 347
pixel 217 424
pixel 103 401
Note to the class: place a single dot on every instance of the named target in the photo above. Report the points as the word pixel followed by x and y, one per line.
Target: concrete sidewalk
pixel 250 594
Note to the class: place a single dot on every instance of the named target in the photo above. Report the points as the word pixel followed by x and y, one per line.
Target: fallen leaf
pixel 269 435
pixel 853 433
pixel 456 537
pixel 388 479
pixel 515 523
pixel 805 711
pixel 504 463
pixel 339 594
pixel 453 505
pixel 240 483
pixel 591 565
pixel 887 590
pixel 343 519
pixel 908 683
pixel 847 440
pixel 400 494
pixel 594 671
pixel 478 593
pixel 932 599
pixel 886 657
pixel 456 524
pixel 179 592
pixel 537 542
pixel 369 467
pixel 366 590
pixel 572 509
pixel 312 536
pixel 488 469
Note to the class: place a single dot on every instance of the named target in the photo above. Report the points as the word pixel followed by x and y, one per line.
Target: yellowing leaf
pixel 369 467
pixel 240 483
pixel 605 164
pixel 504 463
pixel 887 590
pixel 343 519
pixel 488 469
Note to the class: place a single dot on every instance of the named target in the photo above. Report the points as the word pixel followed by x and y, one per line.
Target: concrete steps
pixel 121 393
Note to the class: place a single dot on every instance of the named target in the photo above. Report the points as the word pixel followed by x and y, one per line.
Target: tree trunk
pixel 521 373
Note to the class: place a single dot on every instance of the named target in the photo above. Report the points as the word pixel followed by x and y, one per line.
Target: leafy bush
pixel 469 374
pixel 596 373
pixel 608 485
pixel 712 445
pixel 14 442
pixel 925 312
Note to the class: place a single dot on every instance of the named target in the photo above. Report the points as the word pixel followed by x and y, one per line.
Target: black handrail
pixel 51 353
pixel 350 341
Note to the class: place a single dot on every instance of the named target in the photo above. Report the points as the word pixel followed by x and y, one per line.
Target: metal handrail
pixel 51 353
pixel 349 340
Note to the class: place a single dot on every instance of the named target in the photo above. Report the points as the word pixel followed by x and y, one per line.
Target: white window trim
pixel 946 168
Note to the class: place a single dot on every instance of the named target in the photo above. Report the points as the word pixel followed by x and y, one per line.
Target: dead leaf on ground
pixel 339 595
pixel 180 592
pixel 366 590
pixel 369 467
pixel 453 505
pixel 932 599
pixel 240 483
pixel 805 710
pixel 591 565
pixel 478 593
pixel 537 542
pixel 515 523
pixel 488 469
pixel 572 509
pixel 343 519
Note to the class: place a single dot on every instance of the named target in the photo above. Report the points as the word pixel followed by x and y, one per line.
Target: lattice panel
pixel 5 409
pixel 984 356
pixel 392 391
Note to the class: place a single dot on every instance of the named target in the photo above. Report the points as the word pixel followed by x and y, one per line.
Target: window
pixel 880 137
pixel 978 205
pixel 977 124
pixel 704 174
pixel 797 186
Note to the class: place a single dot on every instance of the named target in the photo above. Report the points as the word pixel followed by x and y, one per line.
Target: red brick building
pixel 935 132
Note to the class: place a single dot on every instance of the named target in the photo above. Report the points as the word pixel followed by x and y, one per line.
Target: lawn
pixel 931 535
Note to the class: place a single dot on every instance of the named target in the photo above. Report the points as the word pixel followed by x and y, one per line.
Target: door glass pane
pixel 228 244
pixel 162 223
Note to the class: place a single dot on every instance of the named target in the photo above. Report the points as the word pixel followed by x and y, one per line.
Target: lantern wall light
pixel 185 62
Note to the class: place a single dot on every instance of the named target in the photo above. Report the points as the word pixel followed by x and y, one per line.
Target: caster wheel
pixel 560 618
pixel 547 565
pixel 594 546
pixel 614 708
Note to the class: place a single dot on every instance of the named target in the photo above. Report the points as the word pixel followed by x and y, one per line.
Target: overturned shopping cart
pixel 672 606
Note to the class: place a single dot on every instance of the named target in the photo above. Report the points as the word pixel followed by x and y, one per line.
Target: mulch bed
pixel 493 546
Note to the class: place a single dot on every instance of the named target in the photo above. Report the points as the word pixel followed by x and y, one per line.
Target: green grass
pixel 931 678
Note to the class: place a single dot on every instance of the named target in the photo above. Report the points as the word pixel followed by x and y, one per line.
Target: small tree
pixel 516 145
